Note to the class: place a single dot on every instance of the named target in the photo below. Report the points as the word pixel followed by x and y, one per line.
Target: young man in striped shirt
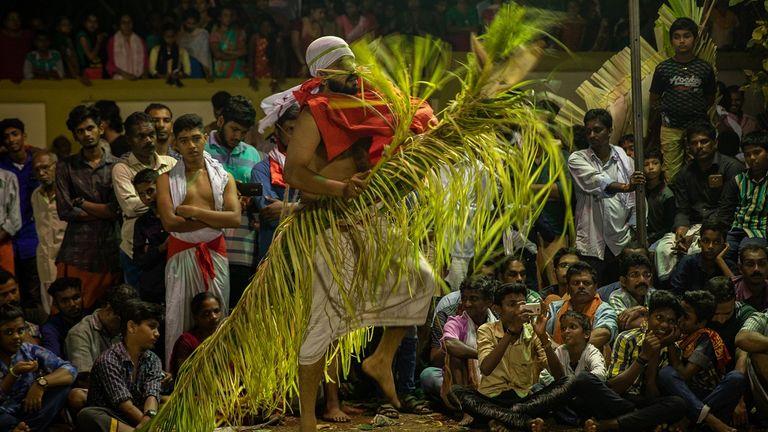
pixel 744 203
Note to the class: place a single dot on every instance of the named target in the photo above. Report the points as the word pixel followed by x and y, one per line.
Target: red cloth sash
pixel 688 345
pixel 343 119
pixel 275 167
pixel 202 254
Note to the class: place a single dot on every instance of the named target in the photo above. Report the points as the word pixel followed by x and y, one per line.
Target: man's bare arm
pixel 171 221
pixel 301 152
pixel 227 218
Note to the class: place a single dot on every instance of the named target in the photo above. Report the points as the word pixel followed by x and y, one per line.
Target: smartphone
pixel 249 189
pixel 534 308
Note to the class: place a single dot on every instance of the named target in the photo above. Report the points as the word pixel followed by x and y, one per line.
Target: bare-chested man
pixel 195 201
pixel 318 165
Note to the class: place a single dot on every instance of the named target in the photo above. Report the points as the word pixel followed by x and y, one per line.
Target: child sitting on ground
pixel 576 354
pixel 696 370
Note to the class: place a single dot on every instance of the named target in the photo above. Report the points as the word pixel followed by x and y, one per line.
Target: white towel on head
pixel 321 53
pixel 325 51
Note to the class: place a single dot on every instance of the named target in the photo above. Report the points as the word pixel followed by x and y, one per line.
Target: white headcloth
pixel 325 51
pixel 321 54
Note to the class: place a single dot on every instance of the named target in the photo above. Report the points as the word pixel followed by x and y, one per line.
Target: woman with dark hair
pixel 206 313
pixel 269 172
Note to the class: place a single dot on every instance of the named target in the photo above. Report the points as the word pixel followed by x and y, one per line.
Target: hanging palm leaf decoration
pixel 416 201
pixel 610 87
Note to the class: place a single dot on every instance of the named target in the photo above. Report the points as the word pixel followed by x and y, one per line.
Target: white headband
pixel 325 51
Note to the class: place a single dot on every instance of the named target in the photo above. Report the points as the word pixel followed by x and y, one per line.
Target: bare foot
pixel 335 415
pixel 351 411
pixel 717 425
pixel 591 426
pixel 537 425
pixel 21 427
pixel 495 426
pixel 466 420
pixel 382 374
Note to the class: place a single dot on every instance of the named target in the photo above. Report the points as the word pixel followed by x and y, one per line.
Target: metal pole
pixel 637 115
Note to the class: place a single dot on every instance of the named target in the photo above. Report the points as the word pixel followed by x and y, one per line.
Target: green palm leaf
pixel 417 201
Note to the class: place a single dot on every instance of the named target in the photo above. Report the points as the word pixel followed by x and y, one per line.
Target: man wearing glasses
pixel 50 229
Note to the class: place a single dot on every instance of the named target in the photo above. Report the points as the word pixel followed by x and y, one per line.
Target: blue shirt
pixel 261 174
pixel 25 240
pixel 53 334
pixel 239 162
pixel 10 403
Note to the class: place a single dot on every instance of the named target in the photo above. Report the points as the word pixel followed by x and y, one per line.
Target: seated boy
pixel 576 354
pixel 697 374
pixel 460 336
pixel 126 378
pixel 693 271
pixel 150 240
pixel 34 381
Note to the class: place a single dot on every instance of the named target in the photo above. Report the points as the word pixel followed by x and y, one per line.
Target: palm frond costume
pixel 416 201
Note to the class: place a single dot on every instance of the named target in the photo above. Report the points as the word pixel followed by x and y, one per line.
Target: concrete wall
pixel 44 105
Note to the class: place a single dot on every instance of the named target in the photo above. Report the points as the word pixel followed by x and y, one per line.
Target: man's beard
pixel 349 86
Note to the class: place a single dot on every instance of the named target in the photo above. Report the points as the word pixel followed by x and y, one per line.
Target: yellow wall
pixel 48 103
pixel 44 105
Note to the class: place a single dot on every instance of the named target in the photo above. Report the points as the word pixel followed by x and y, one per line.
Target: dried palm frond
pixel 463 177
pixel 610 87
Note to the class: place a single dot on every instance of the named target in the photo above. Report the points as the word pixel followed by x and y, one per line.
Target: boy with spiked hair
pixel 682 90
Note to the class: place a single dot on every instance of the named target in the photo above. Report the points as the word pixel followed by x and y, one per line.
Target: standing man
pixel 10 218
pixel 18 160
pixel 163 120
pixel 50 229
pixel 86 201
pixel 140 131
pixel 196 200
pixel 319 165
pixel 604 180
pixel 226 145
pixel 112 128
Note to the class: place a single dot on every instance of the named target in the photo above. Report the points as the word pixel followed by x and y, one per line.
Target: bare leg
pixel 333 412
pixel 379 365
pixel 76 399
pixel 309 380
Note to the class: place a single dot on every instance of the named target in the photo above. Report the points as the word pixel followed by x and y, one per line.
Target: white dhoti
pixel 394 303
pixel 197 260
pixel 666 258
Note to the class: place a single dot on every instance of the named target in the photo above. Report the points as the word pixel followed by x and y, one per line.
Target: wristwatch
pixel 150 413
pixel 42 382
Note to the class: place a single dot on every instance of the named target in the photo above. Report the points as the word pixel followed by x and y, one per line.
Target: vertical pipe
pixel 637 115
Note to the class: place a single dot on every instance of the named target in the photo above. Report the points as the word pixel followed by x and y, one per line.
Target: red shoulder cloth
pixel 342 121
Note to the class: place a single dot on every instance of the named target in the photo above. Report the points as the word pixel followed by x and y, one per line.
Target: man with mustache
pixel 751 286
pixel 163 119
pixel 604 180
pixel 142 137
pixel 636 279
pixel 86 201
pixel 582 284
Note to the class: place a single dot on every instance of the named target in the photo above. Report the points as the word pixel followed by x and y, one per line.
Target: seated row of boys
pixel 100 366
pixel 700 348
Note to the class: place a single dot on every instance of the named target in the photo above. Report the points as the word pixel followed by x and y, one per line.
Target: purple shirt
pixel 457 327
pixel 25 240
pixel 743 294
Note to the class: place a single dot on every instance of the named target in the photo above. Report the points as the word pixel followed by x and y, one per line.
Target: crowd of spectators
pixel 103 294
pixel 195 39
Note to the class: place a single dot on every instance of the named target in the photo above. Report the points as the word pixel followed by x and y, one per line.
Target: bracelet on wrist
pixel 13 374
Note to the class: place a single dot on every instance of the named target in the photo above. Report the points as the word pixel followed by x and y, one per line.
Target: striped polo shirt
pixel 239 162
pixel 752 210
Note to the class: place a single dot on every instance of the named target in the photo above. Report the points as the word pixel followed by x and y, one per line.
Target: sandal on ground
pixel 388 410
pixel 413 405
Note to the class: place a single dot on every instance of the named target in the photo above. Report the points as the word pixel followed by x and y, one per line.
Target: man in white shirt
pixel 604 180
pixel 10 217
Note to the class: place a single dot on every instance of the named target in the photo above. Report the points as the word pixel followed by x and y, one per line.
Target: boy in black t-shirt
pixel 682 91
